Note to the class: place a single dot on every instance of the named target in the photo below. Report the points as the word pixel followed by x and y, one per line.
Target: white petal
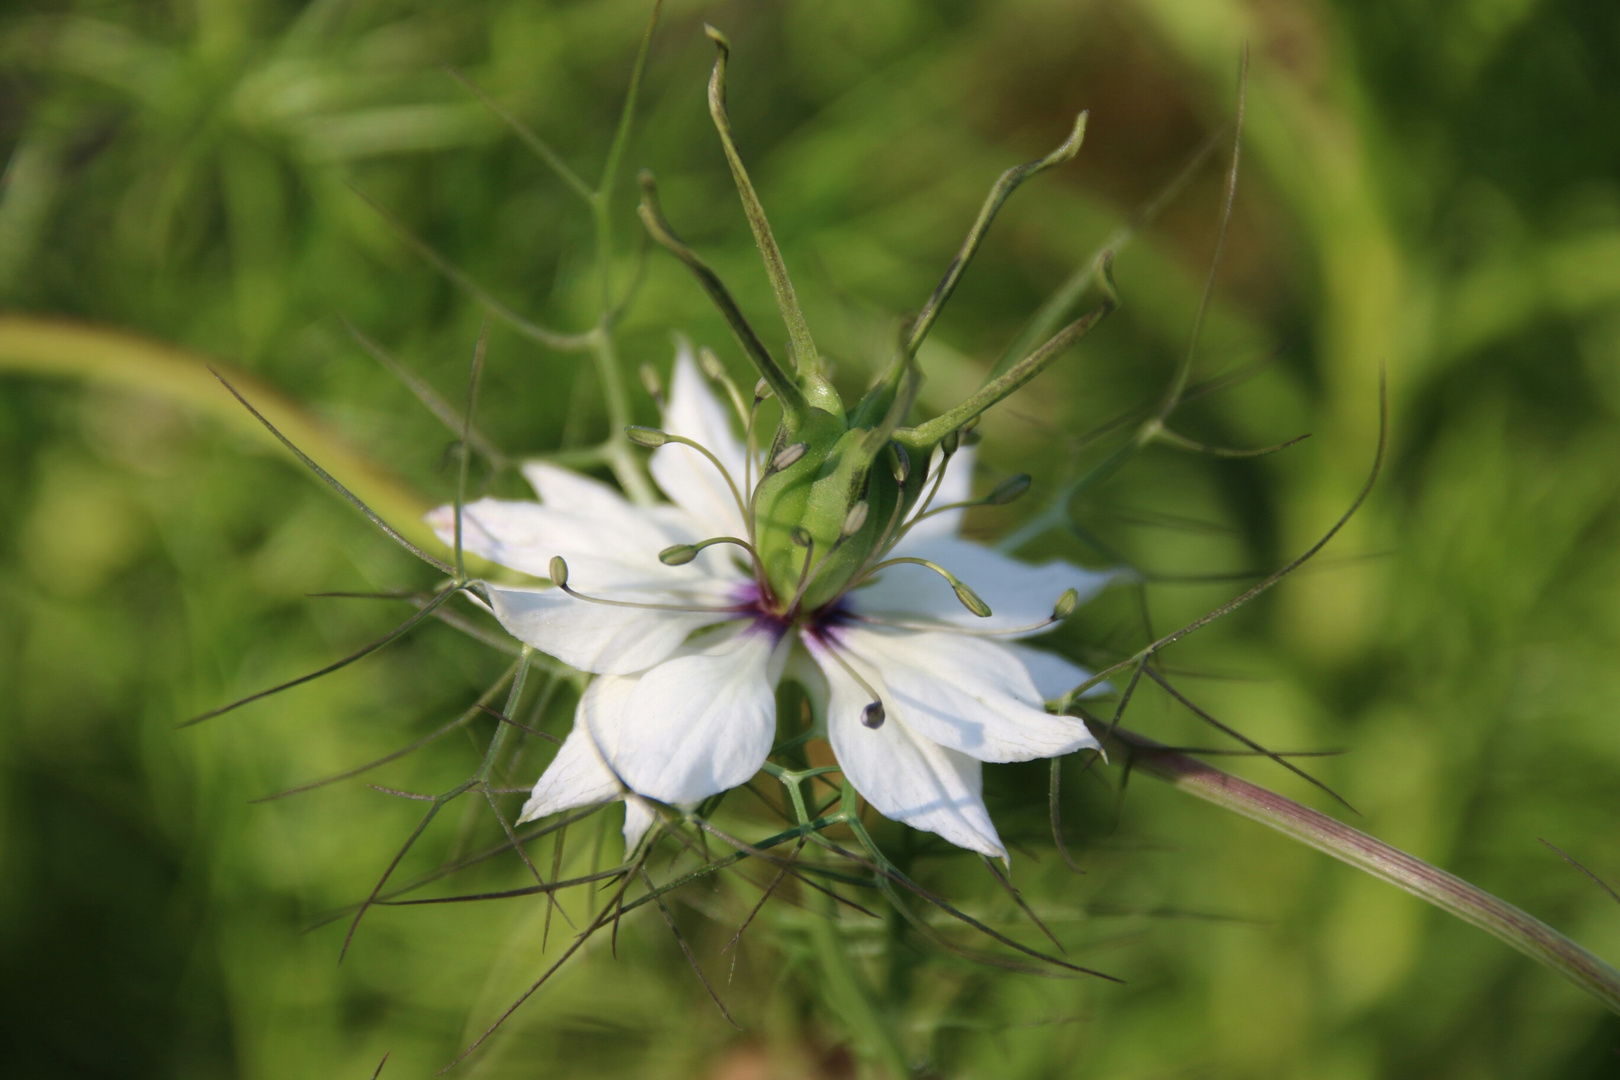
pixel 969 694
pixel 638 818
pixel 579 776
pixel 906 777
pixel 956 486
pixel 700 723
pixel 1053 675
pixel 605 549
pixel 576 777
pixel 807 673
pixel 1019 594
pixel 687 477
pixel 597 637
pixel 575 493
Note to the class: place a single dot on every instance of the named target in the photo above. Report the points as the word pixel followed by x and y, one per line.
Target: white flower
pixel 915 690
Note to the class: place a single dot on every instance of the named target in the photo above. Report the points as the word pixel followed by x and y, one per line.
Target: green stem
pixel 805 357
pixel 62 349
pixel 1002 190
pixel 652 216
pixel 925 436
pixel 626 465
pixel 1445 891
pixel 503 730
pixel 846 993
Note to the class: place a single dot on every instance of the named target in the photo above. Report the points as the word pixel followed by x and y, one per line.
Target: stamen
pixel 710 363
pixel 681 554
pixel 1009 490
pixel 967 596
pixel 651 383
pixel 789 455
pixel 646 436
pixel 852 525
pixel 874 714
pixel 559 577
pixel 1061 610
pixel 948 447
pixel 808 542
pixel 762 390
pixel 902 463
pixel 901 468
pixel 654 438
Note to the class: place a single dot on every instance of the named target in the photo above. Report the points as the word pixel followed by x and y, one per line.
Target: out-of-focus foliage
pixel 1433 189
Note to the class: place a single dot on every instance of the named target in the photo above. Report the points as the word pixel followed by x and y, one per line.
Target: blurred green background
pixel 1433 187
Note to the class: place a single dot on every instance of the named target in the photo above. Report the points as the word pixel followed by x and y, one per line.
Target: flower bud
pixel 559 572
pixel 1009 490
pixel 646 436
pixel 678 554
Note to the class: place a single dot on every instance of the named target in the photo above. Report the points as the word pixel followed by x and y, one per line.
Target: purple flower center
pixel 753 602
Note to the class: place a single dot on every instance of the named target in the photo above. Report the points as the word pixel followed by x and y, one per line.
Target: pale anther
pixel 681 554
pixel 651 383
pixel 1066 604
pixel 856 518
pixel 646 436
pixel 788 456
pixel 710 364
pixel 678 554
pixel 1008 490
pixel 559 572
pixel 970 599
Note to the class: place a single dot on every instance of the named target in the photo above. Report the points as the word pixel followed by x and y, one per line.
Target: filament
pixel 577 595
pixel 952 628
pixel 736 495
pixel 877 699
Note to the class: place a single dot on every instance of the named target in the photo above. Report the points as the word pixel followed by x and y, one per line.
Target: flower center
pixel 768 615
